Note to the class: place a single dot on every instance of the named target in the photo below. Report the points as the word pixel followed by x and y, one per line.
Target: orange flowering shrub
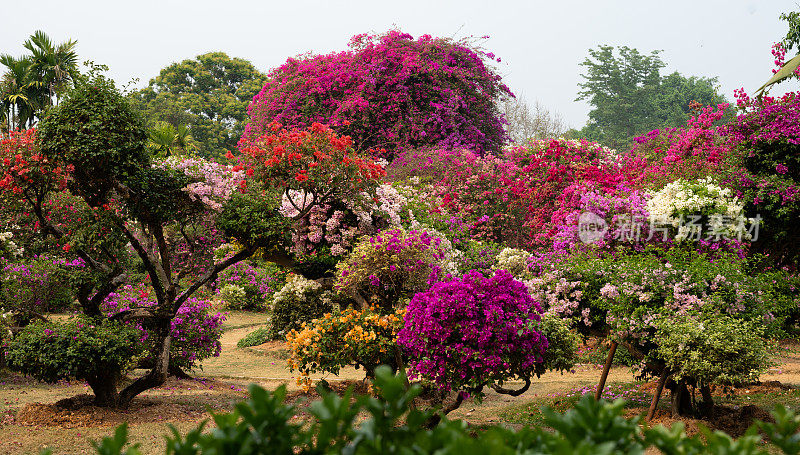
pixel 363 338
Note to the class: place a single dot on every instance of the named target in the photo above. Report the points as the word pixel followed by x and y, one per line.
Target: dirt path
pixel 224 379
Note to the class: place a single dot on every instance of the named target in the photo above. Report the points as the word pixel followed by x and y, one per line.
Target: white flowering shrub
pixel 233 296
pixel 8 247
pixel 299 301
pixel 699 210
pixel 515 261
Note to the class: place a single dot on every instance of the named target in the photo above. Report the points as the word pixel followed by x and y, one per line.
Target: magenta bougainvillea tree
pixel 468 333
pixel 390 92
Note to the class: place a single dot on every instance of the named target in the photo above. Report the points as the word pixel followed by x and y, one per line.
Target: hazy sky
pixel 541 43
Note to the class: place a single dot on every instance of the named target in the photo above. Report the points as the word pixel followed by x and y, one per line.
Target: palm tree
pixel 19 92
pixel 167 139
pixel 56 66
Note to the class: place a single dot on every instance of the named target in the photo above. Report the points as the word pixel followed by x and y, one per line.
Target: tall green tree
pixel 33 83
pixel 16 94
pixel 208 94
pixel 54 65
pixel 629 96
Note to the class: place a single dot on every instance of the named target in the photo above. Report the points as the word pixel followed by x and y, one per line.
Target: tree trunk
pixel 606 368
pixel 105 390
pixel 706 407
pixel 680 400
pixel 446 409
pixel 657 395
pixel 178 372
pixel 156 376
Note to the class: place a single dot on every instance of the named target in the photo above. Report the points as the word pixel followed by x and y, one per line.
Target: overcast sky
pixel 541 43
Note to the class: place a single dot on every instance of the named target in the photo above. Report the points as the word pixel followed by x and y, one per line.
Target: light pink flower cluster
pixel 212 183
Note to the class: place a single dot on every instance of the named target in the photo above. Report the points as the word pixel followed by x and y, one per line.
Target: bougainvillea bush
pixel 79 348
pixel 768 134
pixel 37 285
pixel 472 332
pixel 390 92
pixel 390 266
pixel 365 338
pixel 641 299
pixel 195 330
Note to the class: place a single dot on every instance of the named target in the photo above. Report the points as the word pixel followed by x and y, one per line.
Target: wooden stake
pixel 606 368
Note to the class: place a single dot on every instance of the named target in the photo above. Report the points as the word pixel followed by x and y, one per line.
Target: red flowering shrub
pixel 389 91
pixel 309 165
pixel 24 170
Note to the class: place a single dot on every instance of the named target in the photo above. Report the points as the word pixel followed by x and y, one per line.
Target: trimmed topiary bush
pixel 81 348
pixel 472 332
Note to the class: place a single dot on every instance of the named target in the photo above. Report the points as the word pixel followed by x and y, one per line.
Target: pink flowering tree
pixel 390 92
pixel 767 134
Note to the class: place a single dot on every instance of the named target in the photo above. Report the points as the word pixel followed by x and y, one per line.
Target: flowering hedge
pixel 389 92
pixel 472 332
pixel 364 338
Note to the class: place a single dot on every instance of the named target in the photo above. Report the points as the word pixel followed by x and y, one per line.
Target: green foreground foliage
pixel 261 425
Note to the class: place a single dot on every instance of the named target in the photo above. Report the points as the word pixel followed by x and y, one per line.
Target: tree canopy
pixel 209 94
pixel 630 97
pixel 390 92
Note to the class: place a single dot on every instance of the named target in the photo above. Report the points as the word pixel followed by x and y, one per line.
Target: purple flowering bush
pixel 390 266
pixel 768 134
pixel 248 286
pixel 390 92
pixel 468 333
pixel 40 284
pixel 195 330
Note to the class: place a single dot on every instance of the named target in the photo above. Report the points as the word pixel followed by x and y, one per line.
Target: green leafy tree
pixel 33 83
pixel 15 93
pixel 630 97
pixel 54 66
pixel 166 139
pixel 208 94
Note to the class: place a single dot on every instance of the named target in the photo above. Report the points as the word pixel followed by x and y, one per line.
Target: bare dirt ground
pixel 60 416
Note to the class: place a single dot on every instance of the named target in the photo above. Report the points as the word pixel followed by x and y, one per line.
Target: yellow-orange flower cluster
pixel 364 338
